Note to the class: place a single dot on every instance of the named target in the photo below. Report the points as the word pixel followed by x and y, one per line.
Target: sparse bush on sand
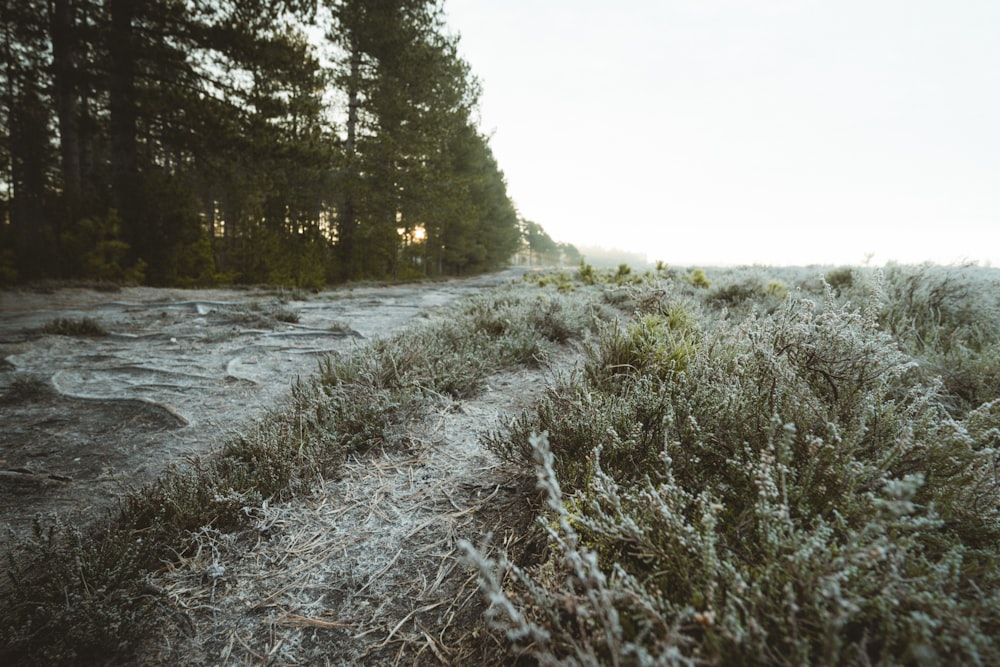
pixel 79 327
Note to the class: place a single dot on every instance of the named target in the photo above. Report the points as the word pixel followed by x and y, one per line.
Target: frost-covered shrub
pixel 734 294
pixel 651 344
pixel 629 426
pixel 453 353
pixel 949 318
pixel 63 326
pixel 840 280
pixel 795 494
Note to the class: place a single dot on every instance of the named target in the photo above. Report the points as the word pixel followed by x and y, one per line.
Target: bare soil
pixel 85 418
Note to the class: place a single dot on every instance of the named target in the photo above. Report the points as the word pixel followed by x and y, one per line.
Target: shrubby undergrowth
pixel 780 472
pixel 752 466
pixel 77 592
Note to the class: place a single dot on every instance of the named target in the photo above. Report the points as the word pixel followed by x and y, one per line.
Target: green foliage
pixel 841 279
pixel 226 163
pixel 8 266
pixel 697 278
pixel 193 265
pixel 586 274
pixel 653 344
pixel 796 494
pixel 543 250
pixel 562 280
pixel 623 274
pixel 776 290
pixel 93 250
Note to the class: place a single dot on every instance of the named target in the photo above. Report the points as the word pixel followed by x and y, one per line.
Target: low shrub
pixel 77 596
pixel 27 389
pixel 262 316
pixel 651 344
pixel 78 327
pixel 949 318
pixel 796 493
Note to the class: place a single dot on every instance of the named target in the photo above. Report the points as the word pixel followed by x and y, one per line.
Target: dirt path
pixel 85 417
pixel 366 570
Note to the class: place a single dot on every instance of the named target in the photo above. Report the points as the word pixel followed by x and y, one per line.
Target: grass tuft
pixel 80 327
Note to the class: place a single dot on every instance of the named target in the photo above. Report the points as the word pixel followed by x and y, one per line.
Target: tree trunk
pixel 64 65
pixel 348 224
pixel 122 104
pixel 28 139
pixel 86 125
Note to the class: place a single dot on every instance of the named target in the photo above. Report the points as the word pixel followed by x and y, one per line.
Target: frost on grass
pixel 325 530
pixel 790 487
pixel 365 569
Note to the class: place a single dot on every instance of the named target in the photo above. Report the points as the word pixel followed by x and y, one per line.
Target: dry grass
pixel 366 569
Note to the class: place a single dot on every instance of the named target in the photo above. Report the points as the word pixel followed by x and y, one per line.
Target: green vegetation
pixel 176 142
pixel 757 466
pixel 264 316
pixel 768 475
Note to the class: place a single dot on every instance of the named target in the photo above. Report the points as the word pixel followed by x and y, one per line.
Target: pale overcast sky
pixel 747 131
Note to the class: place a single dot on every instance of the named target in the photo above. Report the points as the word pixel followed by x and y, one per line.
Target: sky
pixel 721 132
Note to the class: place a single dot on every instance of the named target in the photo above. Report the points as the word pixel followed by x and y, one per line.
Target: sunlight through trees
pixel 198 142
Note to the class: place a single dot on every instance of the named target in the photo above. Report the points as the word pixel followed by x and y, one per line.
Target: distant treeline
pixel 197 142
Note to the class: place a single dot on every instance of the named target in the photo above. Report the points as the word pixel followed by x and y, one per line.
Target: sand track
pixel 84 418
pixel 366 570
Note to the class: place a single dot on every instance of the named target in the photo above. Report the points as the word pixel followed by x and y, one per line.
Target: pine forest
pixel 206 142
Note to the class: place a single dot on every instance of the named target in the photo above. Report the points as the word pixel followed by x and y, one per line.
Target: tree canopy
pixel 193 142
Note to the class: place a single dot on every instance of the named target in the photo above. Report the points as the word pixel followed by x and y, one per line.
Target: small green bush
pixel 651 344
pixel 623 274
pixel 841 279
pixel 776 290
pixel 587 274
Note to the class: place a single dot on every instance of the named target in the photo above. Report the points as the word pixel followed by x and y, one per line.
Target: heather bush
pixel 949 319
pixel 651 344
pixel 453 354
pixel 77 597
pixel 795 492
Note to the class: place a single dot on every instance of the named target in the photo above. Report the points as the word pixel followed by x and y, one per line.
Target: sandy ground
pixel 365 571
pixel 84 418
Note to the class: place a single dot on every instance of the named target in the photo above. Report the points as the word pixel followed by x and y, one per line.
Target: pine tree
pixel 188 141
